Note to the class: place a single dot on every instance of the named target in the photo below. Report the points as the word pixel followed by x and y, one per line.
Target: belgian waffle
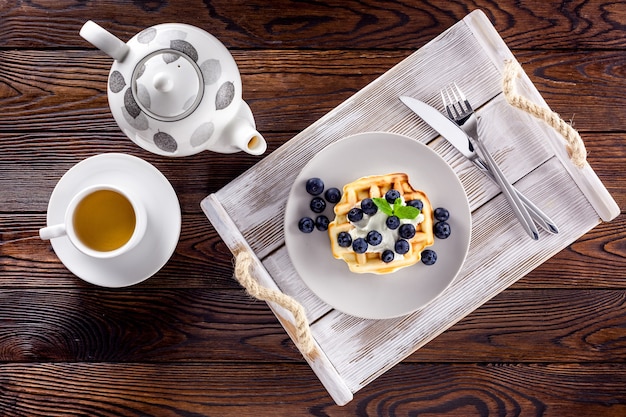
pixel 373 187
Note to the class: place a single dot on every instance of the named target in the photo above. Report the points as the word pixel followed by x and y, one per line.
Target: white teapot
pixel 175 90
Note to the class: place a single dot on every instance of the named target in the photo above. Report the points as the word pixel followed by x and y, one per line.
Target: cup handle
pixel 50 232
pixel 103 40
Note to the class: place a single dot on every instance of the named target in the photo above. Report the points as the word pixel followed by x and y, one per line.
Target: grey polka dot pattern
pixel 225 95
pixel 169 57
pixel 146 35
pixel 190 101
pixel 184 47
pixel 141 70
pixel 116 82
pixel 202 134
pixel 139 123
pixel 211 71
pixel 143 95
pixel 130 104
pixel 165 142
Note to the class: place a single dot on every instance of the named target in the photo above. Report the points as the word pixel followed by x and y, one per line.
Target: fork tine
pixel 446 105
pixel 458 99
pixel 455 102
pixel 449 104
pixel 460 92
pixel 463 99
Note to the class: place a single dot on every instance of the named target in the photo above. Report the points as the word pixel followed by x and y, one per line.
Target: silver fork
pixel 462 113
pixel 541 218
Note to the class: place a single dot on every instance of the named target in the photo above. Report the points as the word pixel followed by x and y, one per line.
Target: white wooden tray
pixel 351 352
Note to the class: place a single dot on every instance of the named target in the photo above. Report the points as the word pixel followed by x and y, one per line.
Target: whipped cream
pixel 378 222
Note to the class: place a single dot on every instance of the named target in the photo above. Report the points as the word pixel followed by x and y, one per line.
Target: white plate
pixel 164 219
pixel 368 295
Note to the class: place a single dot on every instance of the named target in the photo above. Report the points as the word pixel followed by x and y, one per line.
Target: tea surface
pixel 104 220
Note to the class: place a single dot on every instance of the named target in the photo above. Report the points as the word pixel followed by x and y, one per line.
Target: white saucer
pixel 367 295
pixel 164 219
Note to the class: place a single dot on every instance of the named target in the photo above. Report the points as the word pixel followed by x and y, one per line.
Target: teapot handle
pixel 104 40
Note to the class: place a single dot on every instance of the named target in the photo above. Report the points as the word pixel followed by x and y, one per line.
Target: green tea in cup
pixel 104 220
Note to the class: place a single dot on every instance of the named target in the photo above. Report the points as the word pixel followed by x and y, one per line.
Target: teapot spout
pixel 104 40
pixel 241 134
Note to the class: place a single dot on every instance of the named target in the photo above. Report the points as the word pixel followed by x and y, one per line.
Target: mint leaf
pixel 402 212
pixel 383 206
pixel 396 205
pixel 406 212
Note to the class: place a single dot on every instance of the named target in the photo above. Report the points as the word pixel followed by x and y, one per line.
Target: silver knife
pixel 459 139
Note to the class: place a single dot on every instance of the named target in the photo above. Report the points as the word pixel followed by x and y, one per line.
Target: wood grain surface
pixel 189 341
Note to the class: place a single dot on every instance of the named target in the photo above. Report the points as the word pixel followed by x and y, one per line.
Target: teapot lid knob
pixel 163 82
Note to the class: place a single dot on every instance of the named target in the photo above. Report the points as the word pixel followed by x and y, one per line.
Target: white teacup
pixel 102 221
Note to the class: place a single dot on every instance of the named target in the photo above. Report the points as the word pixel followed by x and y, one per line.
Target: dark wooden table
pixel 189 341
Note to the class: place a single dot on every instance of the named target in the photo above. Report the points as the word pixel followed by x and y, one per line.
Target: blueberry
pixel 387 256
pixel 392 222
pixel 321 223
pixel 369 207
pixel 407 231
pixel 355 214
pixel 344 239
pixel 441 214
pixel 402 246
pixel 392 195
pixel 314 186
pixel 318 205
pixel 442 230
pixel 333 195
pixel 374 238
pixel 306 225
pixel 429 257
pixel 359 245
pixel 415 203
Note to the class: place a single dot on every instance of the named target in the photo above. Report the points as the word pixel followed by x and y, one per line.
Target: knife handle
pixel 509 192
pixel 541 218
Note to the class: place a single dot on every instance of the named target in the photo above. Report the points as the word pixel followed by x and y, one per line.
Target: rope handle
pixel 575 146
pixel 303 336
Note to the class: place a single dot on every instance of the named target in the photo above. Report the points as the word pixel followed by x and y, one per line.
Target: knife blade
pixel 444 126
pixel 459 139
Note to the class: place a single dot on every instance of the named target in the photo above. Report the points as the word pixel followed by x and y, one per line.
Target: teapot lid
pixel 167 85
